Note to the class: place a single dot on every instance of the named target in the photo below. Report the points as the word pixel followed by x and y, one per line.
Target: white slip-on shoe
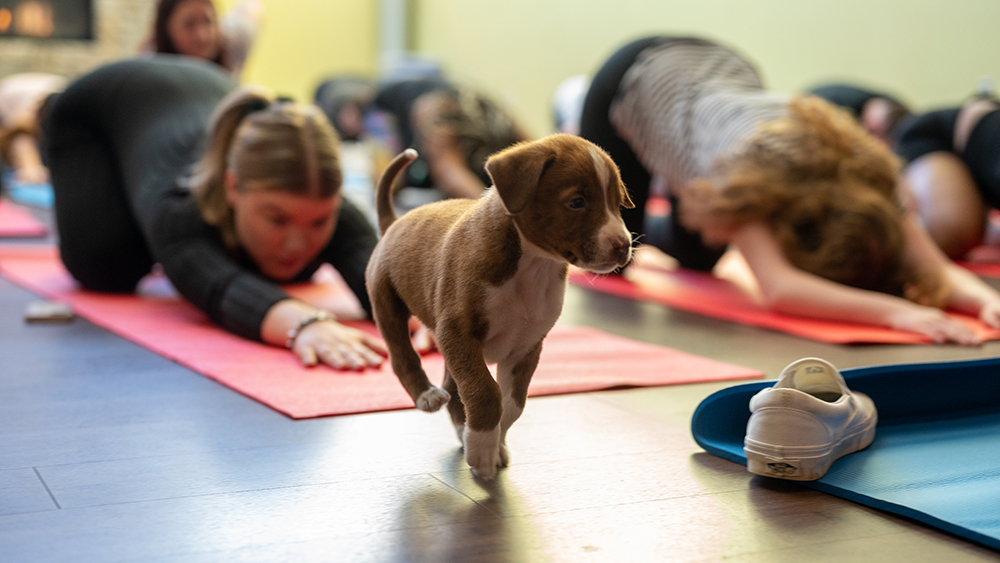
pixel 808 420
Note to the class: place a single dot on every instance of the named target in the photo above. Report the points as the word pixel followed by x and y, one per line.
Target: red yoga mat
pixel 983 261
pixel 17 222
pixel 708 295
pixel 574 359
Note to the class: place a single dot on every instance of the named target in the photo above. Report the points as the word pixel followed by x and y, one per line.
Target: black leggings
pixel 595 125
pixel 116 140
pixel 935 131
pixel 982 156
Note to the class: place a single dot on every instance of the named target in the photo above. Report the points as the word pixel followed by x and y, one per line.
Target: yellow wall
pixel 929 52
pixel 303 41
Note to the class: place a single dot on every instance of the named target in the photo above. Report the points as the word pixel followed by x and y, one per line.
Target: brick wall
pixel 121 26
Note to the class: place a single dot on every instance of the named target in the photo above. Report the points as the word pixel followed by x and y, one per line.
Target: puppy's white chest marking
pixel 524 308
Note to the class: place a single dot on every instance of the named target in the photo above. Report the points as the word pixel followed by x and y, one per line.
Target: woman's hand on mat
pixel 971 295
pixel 423 338
pixel 32 174
pixel 338 346
pixel 990 314
pixel 935 324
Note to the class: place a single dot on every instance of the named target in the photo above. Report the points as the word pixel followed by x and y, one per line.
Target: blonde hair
pixel 827 190
pixel 268 144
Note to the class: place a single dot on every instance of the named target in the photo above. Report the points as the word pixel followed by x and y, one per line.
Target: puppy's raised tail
pixel 384 192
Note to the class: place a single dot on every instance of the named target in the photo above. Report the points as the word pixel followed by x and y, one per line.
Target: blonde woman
pixel 229 214
pixel 815 205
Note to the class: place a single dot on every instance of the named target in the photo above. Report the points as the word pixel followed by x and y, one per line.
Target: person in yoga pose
pixel 21 98
pixel 953 169
pixel 880 114
pixel 952 158
pixel 193 28
pixel 453 128
pixel 813 202
pixel 230 190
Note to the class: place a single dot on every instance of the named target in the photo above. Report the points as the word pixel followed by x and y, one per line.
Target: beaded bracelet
pixel 318 316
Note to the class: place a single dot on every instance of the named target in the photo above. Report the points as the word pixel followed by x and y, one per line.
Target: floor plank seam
pixel 238 491
pixel 47 490
pixel 474 501
pixel 154 457
pixel 490 488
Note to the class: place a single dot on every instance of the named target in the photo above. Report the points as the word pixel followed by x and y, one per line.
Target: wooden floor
pixel 109 452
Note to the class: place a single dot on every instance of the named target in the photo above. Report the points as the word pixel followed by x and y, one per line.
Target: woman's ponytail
pixel 208 181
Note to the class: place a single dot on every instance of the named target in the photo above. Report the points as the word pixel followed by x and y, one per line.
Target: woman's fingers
pixel 936 325
pixel 375 345
pixel 339 347
pixel 953 331
pixel 423 341
pixel 308 356
pixel 423 338
pixel 990 314
pixel 353 356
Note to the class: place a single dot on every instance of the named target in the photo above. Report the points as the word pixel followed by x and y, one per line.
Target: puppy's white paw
pixel 433 399
pixel 504 456
pixel 482 452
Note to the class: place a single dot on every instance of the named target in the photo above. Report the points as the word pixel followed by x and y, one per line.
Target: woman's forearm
pixel 26 159
pixel 453 177
pixel 968 293
pixel 281 318
pixel 789 290
pixel 800 293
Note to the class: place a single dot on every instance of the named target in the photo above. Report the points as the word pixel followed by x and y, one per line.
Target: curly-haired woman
pixel 812 201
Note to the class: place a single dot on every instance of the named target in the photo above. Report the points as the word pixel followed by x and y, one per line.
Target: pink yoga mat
pixel 17 222
pixel 984 269
pixel 574 359
pixel 714 297
pixel 983 261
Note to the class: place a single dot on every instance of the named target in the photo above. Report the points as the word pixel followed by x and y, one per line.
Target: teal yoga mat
pixel 936 454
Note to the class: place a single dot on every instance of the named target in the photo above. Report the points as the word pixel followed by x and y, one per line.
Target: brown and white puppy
pixel 488 277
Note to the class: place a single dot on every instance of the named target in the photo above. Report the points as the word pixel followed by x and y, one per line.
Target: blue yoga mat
pixel 37 195
pixel 936 454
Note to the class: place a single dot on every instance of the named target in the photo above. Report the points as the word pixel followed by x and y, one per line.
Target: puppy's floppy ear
pixel 516 172
pixel 626 200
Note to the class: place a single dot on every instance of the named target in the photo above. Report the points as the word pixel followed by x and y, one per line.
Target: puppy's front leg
pixel 481 397
pixel 514 376
pixel 455 407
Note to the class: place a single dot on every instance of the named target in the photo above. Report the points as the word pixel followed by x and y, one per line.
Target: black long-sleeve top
pixel 119 141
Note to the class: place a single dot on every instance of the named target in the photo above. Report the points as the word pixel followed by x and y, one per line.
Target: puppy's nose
pixel 621 247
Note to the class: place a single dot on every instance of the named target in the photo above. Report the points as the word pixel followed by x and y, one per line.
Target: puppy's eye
pixel 576 203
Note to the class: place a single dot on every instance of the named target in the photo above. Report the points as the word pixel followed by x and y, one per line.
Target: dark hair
pixel 479 125
pixel 337 93
pixel 162 43
pixel 896 115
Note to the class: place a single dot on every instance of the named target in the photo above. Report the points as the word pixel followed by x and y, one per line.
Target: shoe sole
pixel 812 463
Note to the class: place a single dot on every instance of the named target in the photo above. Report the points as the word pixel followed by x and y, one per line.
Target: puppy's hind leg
pixel 392 318
pixel 514 382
